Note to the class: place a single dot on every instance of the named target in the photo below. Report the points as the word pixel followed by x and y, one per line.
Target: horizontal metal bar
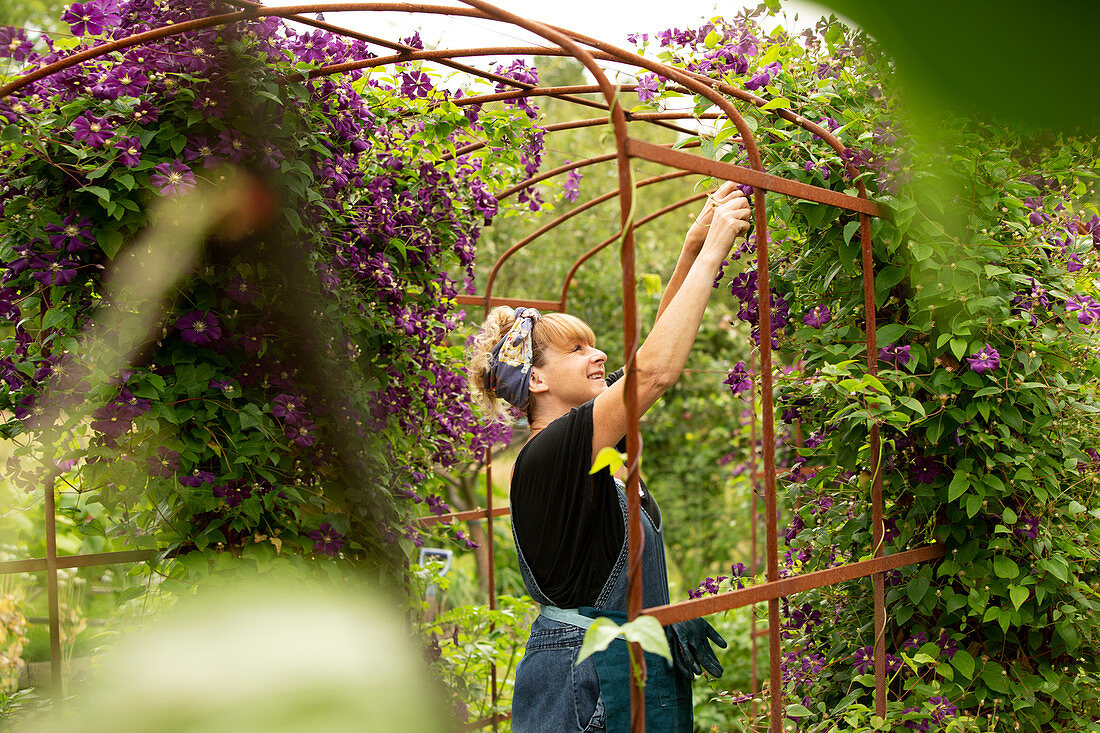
pixel 38 564
pixel 757 179
pixel 542 305
pixel 673 612
pixel 499 511
pixel 485 722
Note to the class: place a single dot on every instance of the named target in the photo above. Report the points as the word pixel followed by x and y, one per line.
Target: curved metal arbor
pixel 591 53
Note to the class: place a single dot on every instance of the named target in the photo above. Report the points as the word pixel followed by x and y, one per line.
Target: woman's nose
pixel 598 356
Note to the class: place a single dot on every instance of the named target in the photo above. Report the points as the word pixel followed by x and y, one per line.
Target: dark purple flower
pixel 110 420
pixel 303 433
pixel 738 379
pixel 71 235
pixel 864 659
pixel 1027 527
pixel 984 360
pixel 197 478
pixel 131 151
pixel 54 271
pixel 173 178
pixel 947 645
pixel 199 328
pixel 93 130
pixel 894 354
pixel 461 537
pixel 944 709
pixel 125 81
pixel 14 44
pixel 924 469
pixel 326 540
pixel 287 408
pixel 165 463
pixel 87 19
pixel 817 316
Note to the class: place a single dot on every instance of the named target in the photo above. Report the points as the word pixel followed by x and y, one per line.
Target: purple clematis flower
pixel 817 316
pixel 93 130
pixel 984 360
pixel 303 433
pixel 647 87
pixel 895 354
pixel 738 379
pixel 199 328
pixel 165 463
pixel 131 151
pixel 71 235
pixel 173 178
pixel 86 19
pixel 572 188
pixel 326 540
pixel 1090 309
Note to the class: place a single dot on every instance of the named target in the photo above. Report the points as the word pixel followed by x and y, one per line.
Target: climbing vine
pixel 986 305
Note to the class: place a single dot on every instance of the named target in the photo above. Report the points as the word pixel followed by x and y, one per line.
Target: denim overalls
pixel 553 695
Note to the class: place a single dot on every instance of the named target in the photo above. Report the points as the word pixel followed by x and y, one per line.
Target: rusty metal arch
pixel 587 51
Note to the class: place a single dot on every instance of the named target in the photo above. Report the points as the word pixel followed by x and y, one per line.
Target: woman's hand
pixel 699 228
pixel 729 219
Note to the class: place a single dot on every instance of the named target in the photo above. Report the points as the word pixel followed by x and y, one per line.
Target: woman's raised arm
pixel 662 357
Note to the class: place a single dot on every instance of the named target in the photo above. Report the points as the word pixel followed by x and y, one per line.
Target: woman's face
pixel 572 374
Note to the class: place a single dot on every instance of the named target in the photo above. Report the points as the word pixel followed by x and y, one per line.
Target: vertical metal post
pixel 51 588
pixel 763 301
pixel 754 679
pixel 874 445
pixel 490 548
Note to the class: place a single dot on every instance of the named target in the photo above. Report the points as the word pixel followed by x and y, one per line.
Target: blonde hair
pixel 553 329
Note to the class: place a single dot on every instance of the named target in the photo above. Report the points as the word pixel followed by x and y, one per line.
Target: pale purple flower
pixel 173 178
pixel 983 360
pixel 647 87
pixel 817 316
pixel 571 190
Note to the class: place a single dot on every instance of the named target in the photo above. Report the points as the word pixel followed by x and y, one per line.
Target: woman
pixel 570 526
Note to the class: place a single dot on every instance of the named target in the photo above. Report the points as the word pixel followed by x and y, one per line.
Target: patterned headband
pixel 510 361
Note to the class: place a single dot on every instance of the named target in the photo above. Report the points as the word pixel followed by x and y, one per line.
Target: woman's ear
pixel 537 383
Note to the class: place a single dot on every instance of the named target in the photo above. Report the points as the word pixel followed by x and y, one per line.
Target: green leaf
pixel 110 243
pixel 598 637
pixel 849 230
pixel 963 662
pixel 99 191
pixel 890 333
pixel 959 484
pixel 1076 507
pixel 1011 417
pixel 958 348
pixel 1005 568
pixel 777 103
pixel 648 632
pixel 610 459
pixel 918 586
pixel 994 677
pixel 1018 594
pixel 797 710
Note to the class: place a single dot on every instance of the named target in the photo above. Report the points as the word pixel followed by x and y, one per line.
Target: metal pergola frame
pixel 589 51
